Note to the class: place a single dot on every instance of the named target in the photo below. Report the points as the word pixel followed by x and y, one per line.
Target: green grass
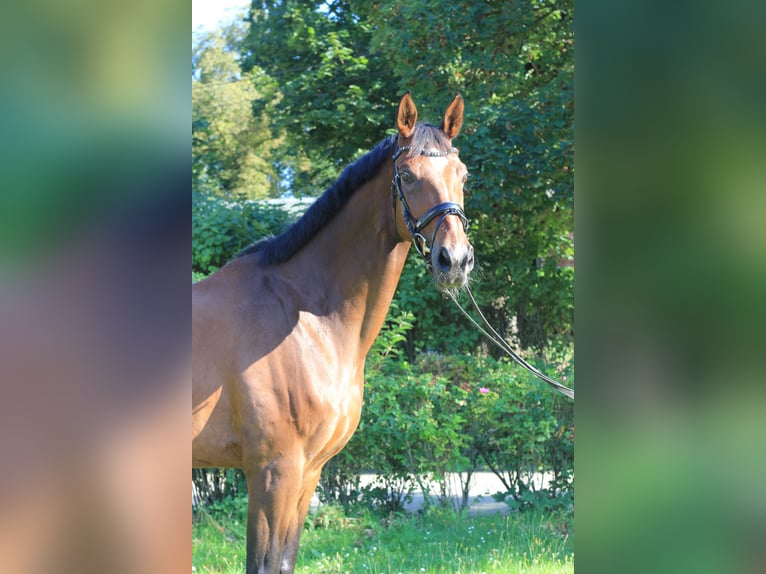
pixel 438 542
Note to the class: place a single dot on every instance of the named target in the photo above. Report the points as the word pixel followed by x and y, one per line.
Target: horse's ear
pixel 453 117
pixel 407 116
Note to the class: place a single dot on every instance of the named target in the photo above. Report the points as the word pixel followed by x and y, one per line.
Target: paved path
pixel 480 501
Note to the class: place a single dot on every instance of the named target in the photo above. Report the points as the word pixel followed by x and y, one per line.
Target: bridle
pixel 442 211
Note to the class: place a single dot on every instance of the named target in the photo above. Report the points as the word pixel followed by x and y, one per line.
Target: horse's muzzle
pixel 452 265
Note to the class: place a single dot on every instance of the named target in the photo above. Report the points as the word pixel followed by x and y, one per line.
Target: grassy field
pixel 437 542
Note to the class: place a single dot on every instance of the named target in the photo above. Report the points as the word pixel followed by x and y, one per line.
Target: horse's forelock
pixel 428 137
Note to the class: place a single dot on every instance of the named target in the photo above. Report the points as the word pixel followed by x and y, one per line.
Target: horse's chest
pixel 324 415
pixel 328 401
pixel 307 391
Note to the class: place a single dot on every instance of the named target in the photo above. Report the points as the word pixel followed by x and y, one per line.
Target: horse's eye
pixel 407 177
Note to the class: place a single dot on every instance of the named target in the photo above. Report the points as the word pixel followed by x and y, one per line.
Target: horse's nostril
pixel 469 261
pixel 444 261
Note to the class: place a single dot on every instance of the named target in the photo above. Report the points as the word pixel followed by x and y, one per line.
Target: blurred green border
pixel 671 271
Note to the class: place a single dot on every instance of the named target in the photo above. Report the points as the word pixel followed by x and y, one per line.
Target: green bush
pixel 222 228
pixel 454 413
pixel 509 421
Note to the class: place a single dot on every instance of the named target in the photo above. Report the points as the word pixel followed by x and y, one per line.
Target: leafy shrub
pixel 222 228
pixel 509 420
pixel 453 413
pixel 542 500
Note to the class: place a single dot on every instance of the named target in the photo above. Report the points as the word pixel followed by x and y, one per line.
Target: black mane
pixel 279 249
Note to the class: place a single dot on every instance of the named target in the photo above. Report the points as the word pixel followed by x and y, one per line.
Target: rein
pixel 415 226
pixel 495 337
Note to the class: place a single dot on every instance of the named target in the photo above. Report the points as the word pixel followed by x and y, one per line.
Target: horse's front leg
pixel 303 500
pixel 274 515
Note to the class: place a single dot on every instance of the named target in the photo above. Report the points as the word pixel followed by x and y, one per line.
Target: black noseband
pixel 441 211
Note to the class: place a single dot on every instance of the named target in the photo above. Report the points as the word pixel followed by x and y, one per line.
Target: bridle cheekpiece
pixel 416 226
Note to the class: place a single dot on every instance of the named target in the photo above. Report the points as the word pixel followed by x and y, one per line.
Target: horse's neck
pixel 355 262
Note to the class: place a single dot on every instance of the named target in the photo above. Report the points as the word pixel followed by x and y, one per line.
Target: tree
pixel 336 97
pixel 232 146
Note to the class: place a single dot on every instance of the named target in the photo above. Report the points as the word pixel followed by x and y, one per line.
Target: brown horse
pixel 280 334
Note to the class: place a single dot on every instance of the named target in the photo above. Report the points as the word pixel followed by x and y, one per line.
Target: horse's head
pixel 428 192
